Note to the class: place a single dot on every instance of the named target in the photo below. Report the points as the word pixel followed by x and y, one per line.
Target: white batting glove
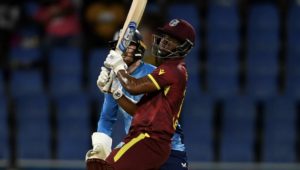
pixel 104 80
pixel 103 77
pixel 115 61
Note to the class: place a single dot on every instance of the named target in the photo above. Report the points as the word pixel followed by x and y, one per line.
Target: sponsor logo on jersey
pixel 161 71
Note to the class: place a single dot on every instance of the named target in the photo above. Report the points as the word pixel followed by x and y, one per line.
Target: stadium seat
pixel 293 39
pixel 238 129
pixel 293 25
pixel 222 42
pixel 263 17
pixel 262 51
pixel 293 61
pixel 263 28
pixel 292 85
pixel 33 127
pixel 26 83
pixel 262 63
pixel 223 62
pixel 4 140
pixel 264 41
pixel 65 84
pixel 73 126
pixel 280 130
pixel 222 85
pixel 261 87
pixel 223 17
pixel 67 60
pixel 197 123
pixel 22 56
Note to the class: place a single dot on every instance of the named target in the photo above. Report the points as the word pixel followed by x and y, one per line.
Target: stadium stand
pixel 33 127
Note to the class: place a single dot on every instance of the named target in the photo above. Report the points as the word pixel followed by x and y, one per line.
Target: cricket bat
pixel 132 21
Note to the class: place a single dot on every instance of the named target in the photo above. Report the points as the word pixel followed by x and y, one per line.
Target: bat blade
pixel 131 23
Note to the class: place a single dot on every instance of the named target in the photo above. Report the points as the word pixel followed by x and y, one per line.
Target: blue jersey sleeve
pixel 108 115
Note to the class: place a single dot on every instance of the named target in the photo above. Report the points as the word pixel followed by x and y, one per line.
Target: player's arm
pixel 136 86
pixel 108 115
pixel 127 105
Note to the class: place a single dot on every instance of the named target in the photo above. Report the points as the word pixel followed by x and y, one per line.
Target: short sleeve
pixel 162 76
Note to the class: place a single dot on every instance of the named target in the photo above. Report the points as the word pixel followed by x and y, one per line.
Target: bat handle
pixel 107 86
pixel 112 76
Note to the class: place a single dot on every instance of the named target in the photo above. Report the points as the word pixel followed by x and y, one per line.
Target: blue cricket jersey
pixel 110 109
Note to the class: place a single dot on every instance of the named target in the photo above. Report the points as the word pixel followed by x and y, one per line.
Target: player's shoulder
pixel 149 66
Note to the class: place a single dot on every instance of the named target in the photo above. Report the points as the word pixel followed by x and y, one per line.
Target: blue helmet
pixel 137 40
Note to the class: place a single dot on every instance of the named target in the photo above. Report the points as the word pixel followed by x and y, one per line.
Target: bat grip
pixel 107 86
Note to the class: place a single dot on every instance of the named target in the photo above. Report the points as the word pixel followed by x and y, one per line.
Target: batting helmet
pixel 180 30
pixel 137 40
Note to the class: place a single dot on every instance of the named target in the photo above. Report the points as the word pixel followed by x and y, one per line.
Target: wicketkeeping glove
pixel 115 61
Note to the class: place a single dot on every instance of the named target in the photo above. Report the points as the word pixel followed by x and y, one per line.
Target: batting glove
pixel 104 80
pixel 115 61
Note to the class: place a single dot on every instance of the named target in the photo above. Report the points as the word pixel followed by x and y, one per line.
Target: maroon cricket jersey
pixel 158 112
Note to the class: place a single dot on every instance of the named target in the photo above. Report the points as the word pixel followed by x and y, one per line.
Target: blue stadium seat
pixel 238 129
pixel 194 83
pixel 280 130
pixel 223 37
pixel 223 17
pixel 222 85
pixel 65 84
pixel 262 63
pixel 26 83
pixel 264 41
pixel 4 140
pixel 293 60
pixel 293 25
pixel 263 17
pixel 73 126
pixel 262 51
pixel 24 56
pixel 223 42
pixel 223 62
pixel 292 85
pixel 260 86
pixel 197 123
pixel 96 59
pixel 67 60
pixel 293 39
pixel 33 127
pixel 263 28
